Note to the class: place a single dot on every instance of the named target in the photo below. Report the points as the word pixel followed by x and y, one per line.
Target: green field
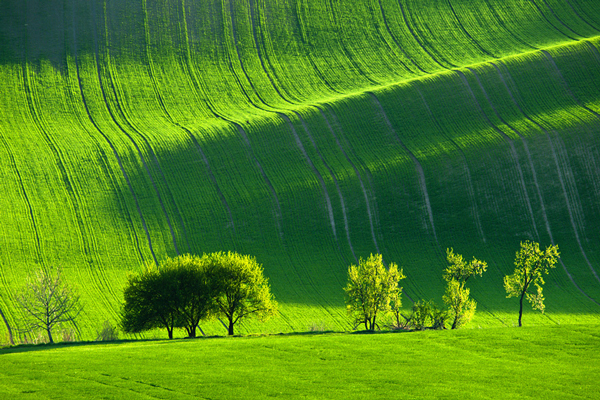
pixel 306 133
pixel 558 362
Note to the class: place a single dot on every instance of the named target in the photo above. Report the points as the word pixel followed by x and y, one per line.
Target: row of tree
pixel 373 290
pixel 182 291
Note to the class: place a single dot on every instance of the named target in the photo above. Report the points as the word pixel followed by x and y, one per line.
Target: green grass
pixel 306 133
pixel 559 362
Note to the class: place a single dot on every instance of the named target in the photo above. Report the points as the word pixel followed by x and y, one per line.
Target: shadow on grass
pixel 24 348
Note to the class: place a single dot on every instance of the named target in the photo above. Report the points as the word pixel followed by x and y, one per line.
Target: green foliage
pixel 531 264
pixel 372 290
pixel 426 315
pixel 151 300
pixel 239 288
pixel 456 298
pixel 130 129
pixel 47 300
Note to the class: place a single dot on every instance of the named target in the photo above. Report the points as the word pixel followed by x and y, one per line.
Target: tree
pixel 195 294
pixel 239 286
pixel 462 308
pixel 531 264
pixel 176 294
pixel 370 290
pixel 151 300
pixel 47 300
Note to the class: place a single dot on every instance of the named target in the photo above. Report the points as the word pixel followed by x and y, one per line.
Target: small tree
pixel 531 264
pixel 370 290
pixel 239 286
pixel 462 308
pixel 47 300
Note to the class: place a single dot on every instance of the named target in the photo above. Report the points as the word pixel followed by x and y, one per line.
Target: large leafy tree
pixel 239 287
pixel 175 294
pixel 461 306
pixel 151 301
pixel 371 289
pixel 47 300
pixel 531 264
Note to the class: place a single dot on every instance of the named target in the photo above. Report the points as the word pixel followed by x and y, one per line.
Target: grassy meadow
pixel 305 133
pixel 550 362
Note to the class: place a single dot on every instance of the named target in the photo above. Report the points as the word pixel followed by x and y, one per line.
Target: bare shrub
pixel 107 333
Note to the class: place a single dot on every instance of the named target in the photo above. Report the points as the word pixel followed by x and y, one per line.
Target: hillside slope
pixel 307 133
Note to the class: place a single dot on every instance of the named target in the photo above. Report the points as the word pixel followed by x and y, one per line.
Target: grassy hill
pixel 306 133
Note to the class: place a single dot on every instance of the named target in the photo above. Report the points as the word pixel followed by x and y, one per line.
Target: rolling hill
pixel 306 133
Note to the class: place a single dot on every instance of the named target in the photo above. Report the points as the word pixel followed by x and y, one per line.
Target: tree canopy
pixel 371 289
pixel 240 288
pixel 531 264
pixel 461 306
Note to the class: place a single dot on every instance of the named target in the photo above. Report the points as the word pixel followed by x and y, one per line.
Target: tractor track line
pixel 469 180
pixel 356 171
pixel 414 35
pixel 383 39
pixel 508 139
pixel 551 24
pixel 464 30
pixel 418 167
pixel 398 45
pixel 119 110
pixel 112 146
pixel 535 177
pixel 502 134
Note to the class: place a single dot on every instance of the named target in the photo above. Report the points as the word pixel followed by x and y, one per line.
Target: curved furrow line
pixel 314 169
pixel 357 172
pixel 577 216
pixel 344 48
pixel 511 143
pixel 278 213
pixel 383 39
pixel 150 69
pixel 469 180
pixel 506 137
pixel 308 54
pixel 504 27
pixel 535 177
pixel 298 142
pixel 122 115
pixel 421 44
pixel 530 159
pixel 332 174
pixel 38 244
pixel 551 24
pixel 398 45
pixel 197 85
pixel 418 167
pixel 560 20
pixel 114 117
pixel 579 16
pixel 264 57
pixel 119 162
pixel 86 238
pixel 464 30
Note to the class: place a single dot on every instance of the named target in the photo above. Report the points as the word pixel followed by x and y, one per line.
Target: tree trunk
pixel 230 329
pixel 192 332
pixel 49 335
pixel 521 307
pixel 10 335
pixel 170 331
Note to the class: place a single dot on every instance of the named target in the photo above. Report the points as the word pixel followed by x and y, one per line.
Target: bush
pixel 107 333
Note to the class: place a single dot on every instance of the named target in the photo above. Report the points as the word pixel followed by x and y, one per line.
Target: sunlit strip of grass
pixel 529 362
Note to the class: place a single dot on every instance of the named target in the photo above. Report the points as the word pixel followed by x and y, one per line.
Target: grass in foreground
pixel 529 362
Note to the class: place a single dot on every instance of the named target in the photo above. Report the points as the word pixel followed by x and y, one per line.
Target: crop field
pixel 308 134
pixel 548 362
